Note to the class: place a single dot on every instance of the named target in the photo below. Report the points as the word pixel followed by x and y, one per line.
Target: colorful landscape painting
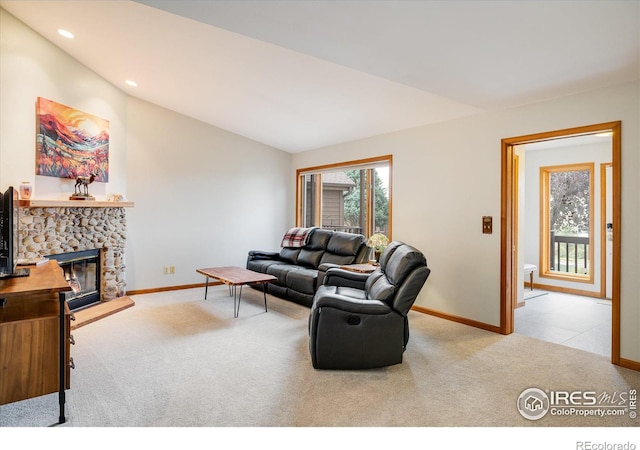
pixel 70 143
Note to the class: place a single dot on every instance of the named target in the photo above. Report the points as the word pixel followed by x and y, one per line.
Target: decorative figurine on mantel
pixel 81 190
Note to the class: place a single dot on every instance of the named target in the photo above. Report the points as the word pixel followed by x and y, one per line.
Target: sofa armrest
pixel 347 278
pixel 326 266
pixel 260 254
pixel 322 271
pixel 352 305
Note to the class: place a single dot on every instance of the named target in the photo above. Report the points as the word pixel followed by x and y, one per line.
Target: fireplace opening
pixel 82 272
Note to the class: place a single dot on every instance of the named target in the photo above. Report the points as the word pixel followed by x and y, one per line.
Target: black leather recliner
pixel 359 321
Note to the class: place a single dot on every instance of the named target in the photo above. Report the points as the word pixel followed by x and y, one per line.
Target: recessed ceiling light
pixel 131 83
pixel 65 33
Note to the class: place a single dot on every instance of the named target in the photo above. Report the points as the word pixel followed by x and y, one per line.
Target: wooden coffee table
pixel 233 277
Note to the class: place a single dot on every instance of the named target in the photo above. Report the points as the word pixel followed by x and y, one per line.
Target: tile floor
pixel 579 322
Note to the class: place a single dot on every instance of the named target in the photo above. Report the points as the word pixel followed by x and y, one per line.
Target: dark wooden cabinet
pixel 31 350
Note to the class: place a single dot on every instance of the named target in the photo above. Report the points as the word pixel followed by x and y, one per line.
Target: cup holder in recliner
pixel 353 320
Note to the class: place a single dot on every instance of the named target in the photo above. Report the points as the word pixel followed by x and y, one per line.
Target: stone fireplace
pixel 55 228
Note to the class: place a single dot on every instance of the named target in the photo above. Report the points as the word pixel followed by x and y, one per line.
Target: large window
pixel 566 221
pixel 354 196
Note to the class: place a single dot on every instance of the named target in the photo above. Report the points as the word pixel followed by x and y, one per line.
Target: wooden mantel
pixel 73 204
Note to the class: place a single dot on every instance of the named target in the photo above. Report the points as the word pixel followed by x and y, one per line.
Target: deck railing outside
pixel 345 228
pixel 569 254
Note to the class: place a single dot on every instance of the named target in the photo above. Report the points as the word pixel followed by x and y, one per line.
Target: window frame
pixel 367 164
pixel 545 237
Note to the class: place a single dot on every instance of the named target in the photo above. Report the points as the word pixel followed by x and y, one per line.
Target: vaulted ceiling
pixel 300 75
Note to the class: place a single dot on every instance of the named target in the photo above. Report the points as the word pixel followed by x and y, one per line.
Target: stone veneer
pixel 54 230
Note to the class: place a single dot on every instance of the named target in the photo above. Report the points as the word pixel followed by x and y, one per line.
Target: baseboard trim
pixel 564 290
pixel 172 288
pixel 629 364
pixel 458 319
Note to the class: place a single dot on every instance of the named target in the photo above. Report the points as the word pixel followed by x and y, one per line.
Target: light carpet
pixel 176 360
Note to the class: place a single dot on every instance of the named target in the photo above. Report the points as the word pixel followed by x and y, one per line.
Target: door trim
pixel 508 269
pixel 603 228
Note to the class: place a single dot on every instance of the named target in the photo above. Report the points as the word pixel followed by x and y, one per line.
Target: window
pixel 353 196
pixel 566 221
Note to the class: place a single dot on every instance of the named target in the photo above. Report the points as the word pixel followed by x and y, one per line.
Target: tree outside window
pixel 569 201
pixel 353 207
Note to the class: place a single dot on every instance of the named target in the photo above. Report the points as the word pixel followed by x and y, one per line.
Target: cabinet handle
pixel 71 363
pixel 73 316
pixel 72 340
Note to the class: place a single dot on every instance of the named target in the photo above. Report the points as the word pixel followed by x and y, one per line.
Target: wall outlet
pixel 165 270
pixel 172 270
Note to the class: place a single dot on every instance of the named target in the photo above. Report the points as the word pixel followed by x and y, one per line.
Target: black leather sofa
pixel 300 270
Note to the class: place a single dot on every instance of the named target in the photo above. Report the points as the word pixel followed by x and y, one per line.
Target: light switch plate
pixel 487 224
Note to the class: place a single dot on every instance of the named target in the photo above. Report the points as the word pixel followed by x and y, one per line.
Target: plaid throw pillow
pixel 296 237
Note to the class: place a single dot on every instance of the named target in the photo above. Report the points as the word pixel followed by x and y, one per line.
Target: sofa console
pixel 301 264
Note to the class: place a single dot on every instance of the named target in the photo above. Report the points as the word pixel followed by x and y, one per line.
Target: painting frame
pixel 70 143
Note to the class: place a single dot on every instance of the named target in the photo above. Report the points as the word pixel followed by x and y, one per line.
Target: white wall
pixel 202 196
pixel 32 67
pixel 447 176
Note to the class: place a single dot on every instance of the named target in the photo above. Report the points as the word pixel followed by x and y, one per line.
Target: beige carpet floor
pixel 176 360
